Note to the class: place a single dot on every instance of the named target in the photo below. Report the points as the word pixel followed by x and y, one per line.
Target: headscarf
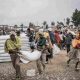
pixel 12 33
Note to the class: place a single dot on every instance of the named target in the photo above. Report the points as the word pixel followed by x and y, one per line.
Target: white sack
pixel 72 32
pixel 24 61
pixel 56 49
pixel 30 56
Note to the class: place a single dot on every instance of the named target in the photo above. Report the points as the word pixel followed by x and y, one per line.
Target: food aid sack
pixel 56 49
pixel 27 56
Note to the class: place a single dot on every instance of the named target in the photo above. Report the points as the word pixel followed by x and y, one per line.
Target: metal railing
pixel 4 57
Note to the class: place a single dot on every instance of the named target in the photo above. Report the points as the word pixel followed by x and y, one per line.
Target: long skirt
pixel 74 54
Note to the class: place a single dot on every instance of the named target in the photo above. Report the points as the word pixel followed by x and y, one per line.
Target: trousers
pixel 15 62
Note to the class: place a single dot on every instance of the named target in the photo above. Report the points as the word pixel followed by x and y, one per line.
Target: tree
pixel 44 23
pixel 76 18
pixel 22 27
pixel 31 24
pixel 53 23
pixel 67 21
pixel 58 22
pixel 15 26
pixel 61 23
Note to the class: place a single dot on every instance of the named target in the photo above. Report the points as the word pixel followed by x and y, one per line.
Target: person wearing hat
pixel 51 41
pixel 41 62
pixel 46 34
pixel 37 34
pixel 12 46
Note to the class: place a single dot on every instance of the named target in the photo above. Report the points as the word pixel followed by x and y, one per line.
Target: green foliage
pixel 44 23
pixel 15 26
pixel 31 24
pixel 52 23
pixel 76 17
pixel 67 21
pixel 21 25
pixel 60 23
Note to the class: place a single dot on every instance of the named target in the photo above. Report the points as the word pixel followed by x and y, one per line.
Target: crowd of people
pixel 65 40
pixel 43 41
pixel 62 39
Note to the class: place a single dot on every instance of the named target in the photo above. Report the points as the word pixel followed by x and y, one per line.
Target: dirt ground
pixel 56 70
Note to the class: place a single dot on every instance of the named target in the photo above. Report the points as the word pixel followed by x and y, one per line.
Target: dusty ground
pixel 57 70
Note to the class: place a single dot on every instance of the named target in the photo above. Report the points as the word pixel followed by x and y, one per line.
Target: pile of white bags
pixel 56 50
pixel 27 56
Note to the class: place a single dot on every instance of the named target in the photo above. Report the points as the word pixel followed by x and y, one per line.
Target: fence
pixel 4 57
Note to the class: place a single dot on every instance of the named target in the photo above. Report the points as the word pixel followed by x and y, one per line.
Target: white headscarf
pixel 12 32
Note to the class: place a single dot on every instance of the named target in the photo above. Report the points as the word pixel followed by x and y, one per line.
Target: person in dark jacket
pixel 52 37
pixel 41 41
pixel 31 39
pixel 68 41
pixel 52 40
pixel 28 32
pixel 41 62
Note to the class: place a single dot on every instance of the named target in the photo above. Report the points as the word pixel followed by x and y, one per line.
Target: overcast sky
pixel 23 11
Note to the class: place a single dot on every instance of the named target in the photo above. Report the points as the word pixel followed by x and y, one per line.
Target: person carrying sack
pixel 12 46
pixel 75 51
pixel 41 61
pixel 41 42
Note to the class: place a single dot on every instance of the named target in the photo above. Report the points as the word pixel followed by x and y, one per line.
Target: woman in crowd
pixel 75 51
pixel 58 39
